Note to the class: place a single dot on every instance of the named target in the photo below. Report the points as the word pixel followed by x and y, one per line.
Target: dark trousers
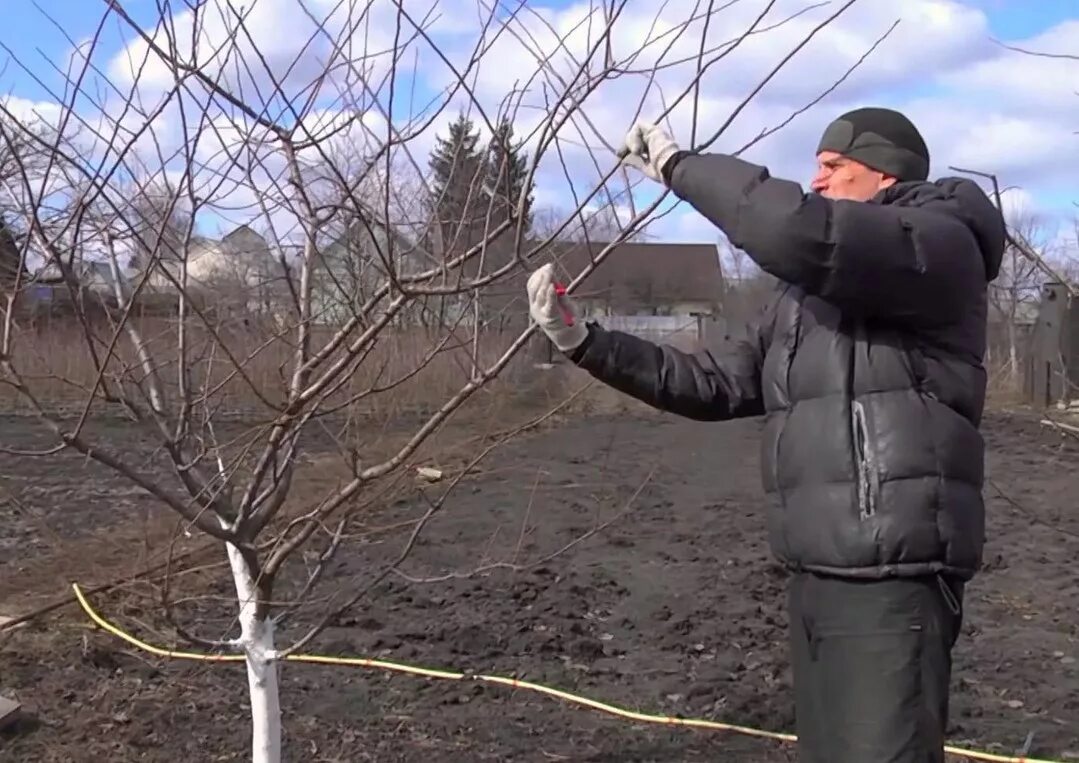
pixel 872 667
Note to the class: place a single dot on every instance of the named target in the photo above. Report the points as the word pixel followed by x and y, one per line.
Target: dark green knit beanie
pixel 879 138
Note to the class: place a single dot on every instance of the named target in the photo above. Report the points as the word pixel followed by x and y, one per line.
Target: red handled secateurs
pixel 567 314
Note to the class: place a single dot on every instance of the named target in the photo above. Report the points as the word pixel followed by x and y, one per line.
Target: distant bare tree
pixel 158 224
pixel 1017 288
pixel 736 264
pixel 1067 257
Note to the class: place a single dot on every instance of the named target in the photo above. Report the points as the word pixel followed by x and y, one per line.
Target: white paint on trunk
pixel 257 641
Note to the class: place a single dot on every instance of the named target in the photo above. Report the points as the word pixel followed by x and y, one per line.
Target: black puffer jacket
pixel 867 365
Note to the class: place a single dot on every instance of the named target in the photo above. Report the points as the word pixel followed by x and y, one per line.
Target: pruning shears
pixel 567 314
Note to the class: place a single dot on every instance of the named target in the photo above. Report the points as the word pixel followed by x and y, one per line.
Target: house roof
pixel 91 274
pixel 646 272
pixel 243 230
pixel 370 222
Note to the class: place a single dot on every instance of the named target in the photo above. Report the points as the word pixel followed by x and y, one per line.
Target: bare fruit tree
pixel 373 284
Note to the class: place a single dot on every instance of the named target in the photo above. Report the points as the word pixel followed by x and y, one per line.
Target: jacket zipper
pixel 867 503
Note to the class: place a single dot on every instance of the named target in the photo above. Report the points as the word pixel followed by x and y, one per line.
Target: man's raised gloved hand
pixel 647 148
pixel 556 314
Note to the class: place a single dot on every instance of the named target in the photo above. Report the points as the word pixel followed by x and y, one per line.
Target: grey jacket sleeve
pixel 705 385
pixel 910 264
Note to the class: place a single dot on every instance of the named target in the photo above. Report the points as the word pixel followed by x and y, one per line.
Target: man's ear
pixel 887 181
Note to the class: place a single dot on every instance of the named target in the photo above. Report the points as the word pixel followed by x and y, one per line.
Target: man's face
pixel 841 178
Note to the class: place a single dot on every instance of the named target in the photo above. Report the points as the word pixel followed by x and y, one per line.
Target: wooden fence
pixel 1052 366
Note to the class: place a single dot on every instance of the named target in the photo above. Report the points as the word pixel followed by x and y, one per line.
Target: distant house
pixel 647 278
pixel 666 292
pixel 238 268
pixel 93 286
pixel 237 274
pixel 648 288
pixel 93 278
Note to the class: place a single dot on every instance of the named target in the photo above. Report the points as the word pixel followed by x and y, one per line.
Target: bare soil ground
pixel 674 608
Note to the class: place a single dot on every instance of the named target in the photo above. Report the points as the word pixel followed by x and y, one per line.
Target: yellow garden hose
pixel 452 675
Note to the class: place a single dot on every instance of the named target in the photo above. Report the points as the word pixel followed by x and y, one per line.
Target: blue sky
pixel 32 36
pixel 1016 115
pixel 1009 19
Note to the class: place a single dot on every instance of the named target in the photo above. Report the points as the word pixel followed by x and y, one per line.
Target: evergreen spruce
pixel 459 205
pixel 507 171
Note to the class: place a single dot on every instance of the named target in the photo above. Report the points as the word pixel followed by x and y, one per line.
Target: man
pixel 868 366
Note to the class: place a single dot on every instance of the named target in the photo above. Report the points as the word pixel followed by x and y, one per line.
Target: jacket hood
pixel 966 200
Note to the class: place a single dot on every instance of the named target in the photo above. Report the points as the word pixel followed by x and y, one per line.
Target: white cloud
pixel 30 112
pixel 978 104
pixel 273 55
pixel 1017 203
pixel 1025 82
pixel 683 225
pixel 1021 148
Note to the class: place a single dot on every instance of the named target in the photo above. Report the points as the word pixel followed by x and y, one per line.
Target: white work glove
pixel 648 148
pixel 555 314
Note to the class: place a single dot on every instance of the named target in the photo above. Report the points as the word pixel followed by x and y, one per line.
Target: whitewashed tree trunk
pixel 257 641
